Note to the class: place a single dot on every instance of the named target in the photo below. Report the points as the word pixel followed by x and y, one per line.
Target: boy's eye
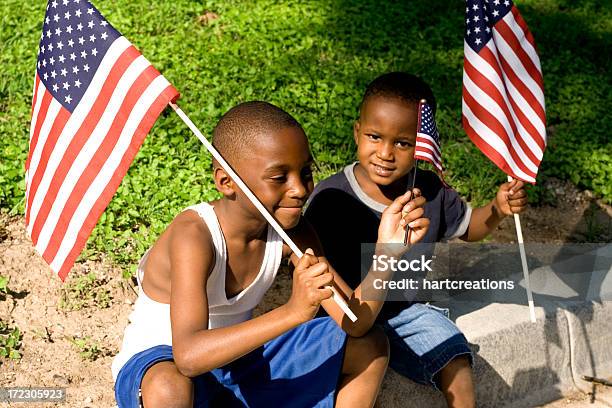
pixel 307 173
pixel 403 144
pixel 372 136
pixel 281 178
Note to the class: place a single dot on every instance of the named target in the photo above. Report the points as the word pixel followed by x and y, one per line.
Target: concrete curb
pixel 522 364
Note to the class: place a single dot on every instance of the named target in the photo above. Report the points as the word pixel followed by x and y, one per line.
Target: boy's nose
pixel 385 151
pixel 298 189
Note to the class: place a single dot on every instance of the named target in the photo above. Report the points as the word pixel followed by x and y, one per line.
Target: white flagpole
pixel 339 300
pixel 519 236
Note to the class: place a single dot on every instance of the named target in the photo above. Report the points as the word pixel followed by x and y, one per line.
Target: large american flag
pixel 503 92
pixel 95 99
pixel 428 139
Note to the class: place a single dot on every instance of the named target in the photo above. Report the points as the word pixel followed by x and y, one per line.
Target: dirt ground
pixel 70 331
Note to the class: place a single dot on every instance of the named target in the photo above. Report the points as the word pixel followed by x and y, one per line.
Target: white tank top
pixel 149 322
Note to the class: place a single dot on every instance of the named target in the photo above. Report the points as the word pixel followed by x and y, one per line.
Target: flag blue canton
pixel 428 124
pixel 480 16
pixel 74 40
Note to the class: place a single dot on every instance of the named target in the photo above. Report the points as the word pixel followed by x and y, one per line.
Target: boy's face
pixel 278 171
pixel 385 135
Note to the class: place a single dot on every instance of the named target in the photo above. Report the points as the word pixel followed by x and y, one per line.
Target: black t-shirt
pixel 344 217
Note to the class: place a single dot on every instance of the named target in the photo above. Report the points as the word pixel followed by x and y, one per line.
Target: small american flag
pixel 428 139
pixel 95 99
pixel 503 92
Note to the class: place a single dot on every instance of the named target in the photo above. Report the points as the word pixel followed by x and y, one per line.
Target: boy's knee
pixel 456 376
pixel 368 352
pixel 164 386
pixel 458 364
pixel 374 343
pixel 379 342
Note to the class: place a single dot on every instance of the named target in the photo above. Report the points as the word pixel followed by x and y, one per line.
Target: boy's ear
pixel 356 127
pixel 224 182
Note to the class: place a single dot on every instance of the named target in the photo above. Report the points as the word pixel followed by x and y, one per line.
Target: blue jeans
pixel 423 341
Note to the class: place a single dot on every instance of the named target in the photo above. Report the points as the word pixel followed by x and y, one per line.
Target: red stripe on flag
pixel 40 118
pixel 97 209
pixel 81 137
pixel 532 102
pixel 98 160
pixel 420 154
pixel 506 32
pixel 490 152
pixel 434 162
pixel 527 125
pixel 521 23
pixel 429 149
pixel 488 56
pixel 496 127
pixel 491 90
pixel 522 88
pixel 432 146
pixel 54 133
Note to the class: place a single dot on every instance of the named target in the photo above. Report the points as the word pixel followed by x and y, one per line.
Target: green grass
pixel 89 349
pixel 85 291
pixel 10 342
pixel 314 60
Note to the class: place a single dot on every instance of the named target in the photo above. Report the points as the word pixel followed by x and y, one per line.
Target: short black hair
pixel 244 124
pixel 407 87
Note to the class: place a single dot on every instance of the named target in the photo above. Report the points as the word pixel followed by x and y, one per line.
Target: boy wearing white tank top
pixel 192 341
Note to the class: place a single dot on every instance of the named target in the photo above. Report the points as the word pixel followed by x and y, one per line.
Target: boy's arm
pixel 196 349
pixel 401 212
pixel 511 199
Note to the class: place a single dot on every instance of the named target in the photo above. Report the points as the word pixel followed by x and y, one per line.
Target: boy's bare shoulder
pixel 184 250
pixel 188 219
pixel 188 228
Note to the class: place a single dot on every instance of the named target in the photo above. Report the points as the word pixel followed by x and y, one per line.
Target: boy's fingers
pixel 419 223
pixel 418 202
pixel 415 203
pixel 325 293
pixel 518 194
pixel 316 270
pixel 507 186
pixel 412 215
pixel 521 202
pixel 323 280
pixel 307 260
pixel 399 203
pixel 518 210
pixel 518 185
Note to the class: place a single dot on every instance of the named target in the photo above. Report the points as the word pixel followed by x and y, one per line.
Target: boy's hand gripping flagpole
pixel 337 297
pixel 503 96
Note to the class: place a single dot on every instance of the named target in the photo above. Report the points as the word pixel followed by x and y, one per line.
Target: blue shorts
pixel 423 341
pixel 301 368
